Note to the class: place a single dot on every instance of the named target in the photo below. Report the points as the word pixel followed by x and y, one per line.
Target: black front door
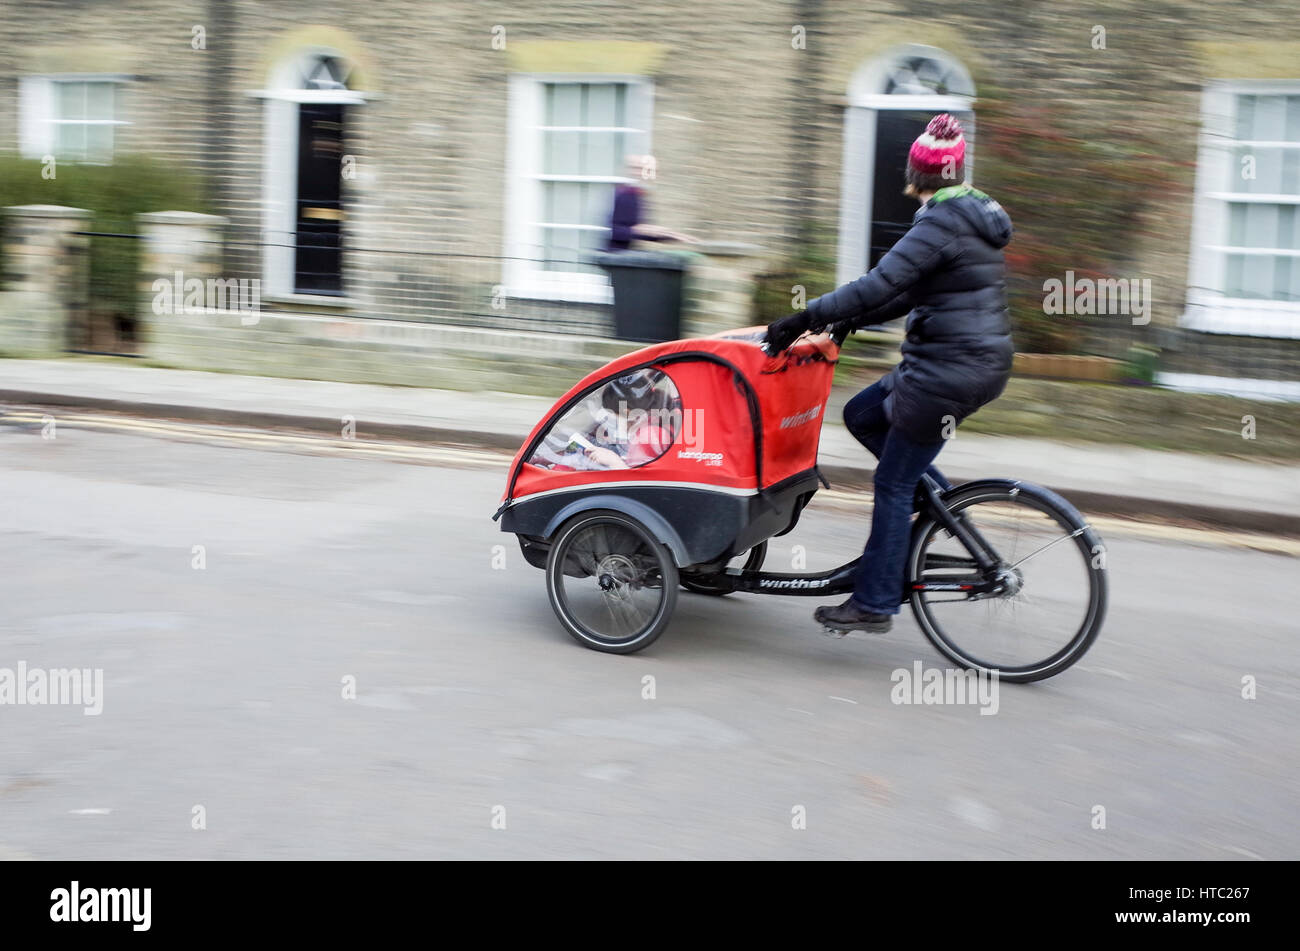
pixel 891 210
pixel 318 267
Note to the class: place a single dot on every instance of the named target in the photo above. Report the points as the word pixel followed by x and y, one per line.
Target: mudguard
pixel 655 523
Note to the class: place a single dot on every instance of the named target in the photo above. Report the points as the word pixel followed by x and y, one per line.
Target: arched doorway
pixel 891 98
pixel 306 135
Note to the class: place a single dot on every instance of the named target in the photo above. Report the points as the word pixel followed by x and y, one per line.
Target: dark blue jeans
pixel 878 586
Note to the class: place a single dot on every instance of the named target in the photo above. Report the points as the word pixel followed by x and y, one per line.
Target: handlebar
pixel 839 333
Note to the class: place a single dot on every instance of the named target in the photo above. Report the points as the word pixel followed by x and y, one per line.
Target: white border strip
pixel 640 484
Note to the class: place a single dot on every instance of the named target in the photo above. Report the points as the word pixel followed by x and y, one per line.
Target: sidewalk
pixel 1097 478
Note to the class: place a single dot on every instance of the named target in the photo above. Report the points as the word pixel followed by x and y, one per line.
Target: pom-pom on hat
pixel 937 158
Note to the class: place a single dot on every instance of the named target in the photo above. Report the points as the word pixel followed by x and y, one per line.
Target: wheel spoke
pixel 1074 534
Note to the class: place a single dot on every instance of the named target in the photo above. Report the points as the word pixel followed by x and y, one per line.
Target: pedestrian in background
pixel 627 220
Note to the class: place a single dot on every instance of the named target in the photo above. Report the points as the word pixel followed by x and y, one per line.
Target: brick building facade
pixel 475 144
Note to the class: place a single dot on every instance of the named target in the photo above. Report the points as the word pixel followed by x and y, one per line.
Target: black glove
pixel 785 331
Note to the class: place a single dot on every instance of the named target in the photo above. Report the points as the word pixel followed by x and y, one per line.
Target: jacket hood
pixel 988 218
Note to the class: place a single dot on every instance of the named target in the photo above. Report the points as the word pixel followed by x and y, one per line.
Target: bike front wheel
pixel 1049 596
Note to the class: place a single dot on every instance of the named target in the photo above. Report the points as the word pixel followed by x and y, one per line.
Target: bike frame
pixel 841 580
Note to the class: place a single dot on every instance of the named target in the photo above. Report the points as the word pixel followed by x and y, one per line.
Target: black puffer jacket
pixel 949 272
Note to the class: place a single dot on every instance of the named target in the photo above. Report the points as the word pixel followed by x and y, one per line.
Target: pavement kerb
pixel 840 476
pixel 1133 506
pixel 441 435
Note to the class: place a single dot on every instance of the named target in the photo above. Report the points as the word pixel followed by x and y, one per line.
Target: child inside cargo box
pixel 630 421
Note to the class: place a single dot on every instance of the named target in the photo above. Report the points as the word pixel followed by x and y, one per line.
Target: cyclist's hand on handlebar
pixel 783 332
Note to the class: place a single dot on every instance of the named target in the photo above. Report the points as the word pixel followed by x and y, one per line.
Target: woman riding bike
pixel 948 271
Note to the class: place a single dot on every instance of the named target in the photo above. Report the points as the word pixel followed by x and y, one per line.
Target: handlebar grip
pixel 840 333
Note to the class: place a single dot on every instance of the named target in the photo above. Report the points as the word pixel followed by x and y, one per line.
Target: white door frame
pixel 280 163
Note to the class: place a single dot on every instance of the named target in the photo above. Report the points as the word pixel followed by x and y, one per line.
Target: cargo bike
pixel 673 466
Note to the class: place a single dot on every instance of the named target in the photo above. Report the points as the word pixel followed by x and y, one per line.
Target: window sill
pixel 314 300
pixel 571 294
pixel 1245 318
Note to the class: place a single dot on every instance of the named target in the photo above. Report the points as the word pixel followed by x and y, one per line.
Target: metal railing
pixel 461 288
pixel 474 290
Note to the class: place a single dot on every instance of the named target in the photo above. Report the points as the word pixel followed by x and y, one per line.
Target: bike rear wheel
pixel 1050 598
pixel 612 584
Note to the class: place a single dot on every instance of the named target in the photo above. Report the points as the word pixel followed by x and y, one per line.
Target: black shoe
pixel 842 618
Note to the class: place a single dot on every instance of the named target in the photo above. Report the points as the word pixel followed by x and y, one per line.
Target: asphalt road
pixel 223 686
